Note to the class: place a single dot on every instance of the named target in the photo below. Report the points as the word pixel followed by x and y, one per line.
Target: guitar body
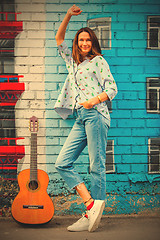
pixel 33 205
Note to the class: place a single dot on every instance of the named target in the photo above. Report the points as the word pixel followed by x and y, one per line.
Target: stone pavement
pixel 111 228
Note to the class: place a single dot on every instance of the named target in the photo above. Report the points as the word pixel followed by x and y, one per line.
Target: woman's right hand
pixel 74 10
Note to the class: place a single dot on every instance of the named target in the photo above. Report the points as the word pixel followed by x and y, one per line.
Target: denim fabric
pixel 90 129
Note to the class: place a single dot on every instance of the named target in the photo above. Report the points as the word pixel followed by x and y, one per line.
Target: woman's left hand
pixel 87 104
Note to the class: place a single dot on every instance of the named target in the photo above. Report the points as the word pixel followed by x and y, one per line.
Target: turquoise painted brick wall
pixel 130 189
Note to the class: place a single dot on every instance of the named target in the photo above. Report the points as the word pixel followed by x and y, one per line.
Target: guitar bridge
pixel 33 206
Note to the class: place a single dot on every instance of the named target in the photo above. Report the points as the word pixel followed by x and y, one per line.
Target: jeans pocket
pixel 104 120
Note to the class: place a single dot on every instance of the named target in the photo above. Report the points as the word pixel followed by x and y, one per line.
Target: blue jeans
pixel 90 129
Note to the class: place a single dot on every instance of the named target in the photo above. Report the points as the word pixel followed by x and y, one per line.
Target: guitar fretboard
pixel 33 161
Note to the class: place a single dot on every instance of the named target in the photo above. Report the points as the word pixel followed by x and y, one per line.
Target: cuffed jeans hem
pixel 70 184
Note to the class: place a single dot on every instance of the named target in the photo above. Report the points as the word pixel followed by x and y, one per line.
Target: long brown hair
pixel 76 52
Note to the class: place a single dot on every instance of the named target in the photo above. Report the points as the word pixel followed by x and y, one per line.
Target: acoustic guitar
pixel 33 205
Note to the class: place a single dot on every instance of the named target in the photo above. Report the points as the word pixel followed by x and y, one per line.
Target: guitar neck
pixel 33 160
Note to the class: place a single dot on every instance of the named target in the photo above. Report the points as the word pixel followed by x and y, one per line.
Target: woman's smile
pixel 84 42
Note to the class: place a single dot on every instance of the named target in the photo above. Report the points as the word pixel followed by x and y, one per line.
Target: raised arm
pixel 74 10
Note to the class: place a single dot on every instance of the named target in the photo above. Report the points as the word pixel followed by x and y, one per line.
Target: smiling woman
pixel 87 87
pixel 84 43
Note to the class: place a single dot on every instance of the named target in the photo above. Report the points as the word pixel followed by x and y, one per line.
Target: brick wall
pixel 130 189
pixel 30 62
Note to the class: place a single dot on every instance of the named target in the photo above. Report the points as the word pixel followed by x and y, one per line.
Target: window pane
pixel 6 123
pixel 9 133
pixel 153 38
pixel 12 142
pixel 6 47
pixel 109 147
pixel 2 79
pixel 154 168
pixel 6 65
pixel 154 161
pixel 1 16
pixel 152 99
pixel 92 24
pixel 154 83
pixel 7 113
pixel 11 17
pixel 155 22
pixel 154 154
pixel 9 66
pixel 109 162
pixel 109 167
pixel 7 6
pixel 11 79
pixel 3 142
pixel 155 142
pixel 110 156
pixel 6 43
pixel 105 38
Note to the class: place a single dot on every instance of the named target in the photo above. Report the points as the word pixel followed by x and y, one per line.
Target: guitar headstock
pixel 33 124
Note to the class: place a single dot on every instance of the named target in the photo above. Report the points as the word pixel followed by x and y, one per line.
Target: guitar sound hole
pixel 33 185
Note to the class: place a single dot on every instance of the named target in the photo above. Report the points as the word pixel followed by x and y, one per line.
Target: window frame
pixel 149 156
pixel 6 65
pixel 147 95
pixel 7 114
pixel 102 19
pixel 148 33
pixel 110 152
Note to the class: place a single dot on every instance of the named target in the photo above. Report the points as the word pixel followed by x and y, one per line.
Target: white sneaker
pixel 81 225
pixel 95 214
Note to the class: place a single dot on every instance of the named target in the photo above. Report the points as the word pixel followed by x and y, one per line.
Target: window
pixel 153 95
pixel 6 56
pixel 154 32
pixel 154 155
pixel 6 48
pixel 7 66
pixel 102 29
pixel 7 6
pixel 7 123
pixel 110 167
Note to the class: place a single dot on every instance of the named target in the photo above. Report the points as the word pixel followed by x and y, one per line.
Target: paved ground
pixel 111 228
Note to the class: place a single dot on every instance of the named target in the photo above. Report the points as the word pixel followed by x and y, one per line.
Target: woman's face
pixel 84 42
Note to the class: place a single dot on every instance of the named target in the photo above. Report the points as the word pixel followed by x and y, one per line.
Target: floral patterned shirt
pixel 84 81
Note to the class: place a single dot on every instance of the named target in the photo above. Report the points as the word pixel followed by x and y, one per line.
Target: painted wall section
pixel 130 189
pixel 30 61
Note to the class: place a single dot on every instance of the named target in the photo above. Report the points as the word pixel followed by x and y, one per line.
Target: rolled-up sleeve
pixel 65 54
pixel 107 81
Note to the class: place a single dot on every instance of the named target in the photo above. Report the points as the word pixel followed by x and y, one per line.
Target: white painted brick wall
pixel 30 62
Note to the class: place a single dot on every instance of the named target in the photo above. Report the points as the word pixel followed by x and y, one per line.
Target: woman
pixel 87 87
